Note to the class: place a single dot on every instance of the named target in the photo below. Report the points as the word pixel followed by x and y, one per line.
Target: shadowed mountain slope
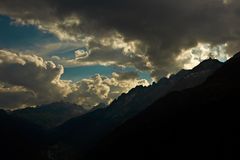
pixel 198 123
pixel 21 139
pixel 50 115
pixel 86 131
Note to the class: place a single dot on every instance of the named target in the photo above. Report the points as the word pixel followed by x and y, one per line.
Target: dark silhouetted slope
pixel 86 131
pixel 198 123
pixel 50 115
pixel 20 139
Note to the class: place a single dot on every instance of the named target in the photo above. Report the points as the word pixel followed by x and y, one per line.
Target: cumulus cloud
pixel 102 89
pixel 27 80
pixel 81 54
pixel 153 32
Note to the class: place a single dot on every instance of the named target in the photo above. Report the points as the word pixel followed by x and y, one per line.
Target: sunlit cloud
pixel 171 35
pixel 189 58
pixel 57 27
pixel 30 80
pixel 227 2
pixel 102 89
pixel 81 54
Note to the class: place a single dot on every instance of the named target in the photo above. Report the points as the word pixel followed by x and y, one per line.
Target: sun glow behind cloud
pixel 189 58
pixel 166 37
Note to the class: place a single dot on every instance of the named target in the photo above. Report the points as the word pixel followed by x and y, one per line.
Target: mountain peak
pixel 228 72
pixel 178 119
pixel 207 64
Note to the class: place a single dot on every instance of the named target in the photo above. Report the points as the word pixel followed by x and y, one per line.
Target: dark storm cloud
pixel 163 26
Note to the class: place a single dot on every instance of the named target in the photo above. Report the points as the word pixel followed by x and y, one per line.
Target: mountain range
pixel 197 123
pixel 50 115
pixel 86 131
pixel 191 115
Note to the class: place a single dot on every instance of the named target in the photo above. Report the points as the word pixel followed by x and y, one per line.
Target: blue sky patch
pixel 29 37
pixel 77 73
pixel 22 37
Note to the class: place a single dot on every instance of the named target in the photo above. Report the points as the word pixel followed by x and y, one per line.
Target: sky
pixel 91 51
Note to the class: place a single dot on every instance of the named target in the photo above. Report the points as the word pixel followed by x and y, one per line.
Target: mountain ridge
pixel 196 123
pixel 50 115
pixel 79 135
pixel 85 131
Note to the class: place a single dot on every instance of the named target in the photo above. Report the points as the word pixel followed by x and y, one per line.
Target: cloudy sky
pixel 91 51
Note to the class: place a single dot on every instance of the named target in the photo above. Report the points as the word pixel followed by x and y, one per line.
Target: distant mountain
pixel 21 139
pixel 85 131
pixel 50 115
pixel 197 123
